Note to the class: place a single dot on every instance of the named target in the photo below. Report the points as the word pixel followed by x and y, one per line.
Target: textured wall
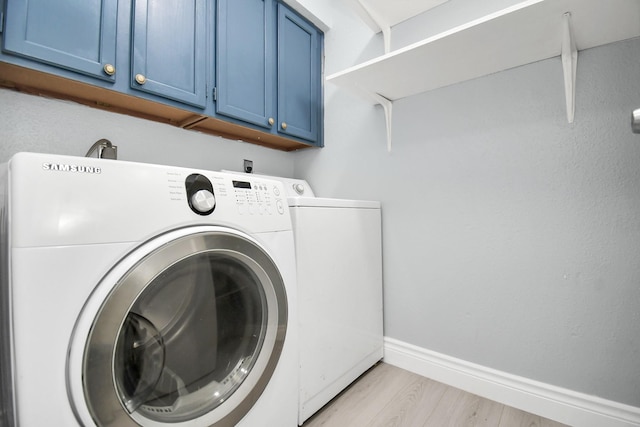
pixel 511 238
pixel 30 123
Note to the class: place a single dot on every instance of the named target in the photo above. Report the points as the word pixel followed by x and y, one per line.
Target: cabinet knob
pixel 271 121
pixel 109 69
pixel 141 79
pixel 635 121
pixel 284 125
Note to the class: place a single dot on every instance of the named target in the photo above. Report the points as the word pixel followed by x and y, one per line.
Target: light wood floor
pixel 390 396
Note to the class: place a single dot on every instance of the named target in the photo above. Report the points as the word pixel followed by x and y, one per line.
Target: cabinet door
pixel 245 61
pixel 299 70
pixel 76 35
pixel 169 49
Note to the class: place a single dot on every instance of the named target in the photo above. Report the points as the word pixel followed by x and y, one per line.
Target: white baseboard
pixel 556 403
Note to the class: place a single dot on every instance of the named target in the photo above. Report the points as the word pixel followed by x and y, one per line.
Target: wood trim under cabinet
pixel 43 84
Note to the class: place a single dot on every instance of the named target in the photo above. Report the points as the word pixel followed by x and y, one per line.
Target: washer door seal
pixel 187 329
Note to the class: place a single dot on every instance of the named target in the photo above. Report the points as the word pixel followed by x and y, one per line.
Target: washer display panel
pixel 191 333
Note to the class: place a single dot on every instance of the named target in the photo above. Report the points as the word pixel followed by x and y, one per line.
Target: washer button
pixel 280 206
pixel 276 191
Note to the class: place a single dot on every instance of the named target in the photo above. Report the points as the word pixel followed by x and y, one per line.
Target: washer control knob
pixel 203 201
pixel 299 188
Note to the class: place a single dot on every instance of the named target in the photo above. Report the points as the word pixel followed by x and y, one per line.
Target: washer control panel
pixel 258 197
pixel 291 187
pixel 251 197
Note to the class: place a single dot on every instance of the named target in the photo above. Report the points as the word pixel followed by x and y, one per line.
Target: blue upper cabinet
pixel 245 61
pixel 245 69
pixel 269 68
pixel 299 76
pixel 79 35
pixel 169 47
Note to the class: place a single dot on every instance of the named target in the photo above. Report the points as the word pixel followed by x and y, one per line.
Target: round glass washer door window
pixel 193 331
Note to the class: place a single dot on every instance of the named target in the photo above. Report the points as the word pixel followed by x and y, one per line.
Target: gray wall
pixel 30 123
pixel 446 16
pixel 511 238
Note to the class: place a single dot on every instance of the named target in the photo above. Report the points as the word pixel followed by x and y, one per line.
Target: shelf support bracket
pixel 569 66
pixel 380 22
pixel 387 106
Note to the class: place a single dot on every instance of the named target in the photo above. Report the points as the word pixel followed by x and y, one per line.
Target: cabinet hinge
pixel 215 94
pixel 1 20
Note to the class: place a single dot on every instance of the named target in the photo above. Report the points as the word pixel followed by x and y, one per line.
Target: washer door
pixel 189 332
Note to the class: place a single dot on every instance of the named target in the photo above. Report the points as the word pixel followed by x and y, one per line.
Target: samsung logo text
pixel 70 168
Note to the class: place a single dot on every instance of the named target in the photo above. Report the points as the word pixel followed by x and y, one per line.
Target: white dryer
pixel 148 295
pixel 339 270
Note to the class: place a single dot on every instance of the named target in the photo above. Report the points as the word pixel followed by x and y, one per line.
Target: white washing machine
pixel 339 270
pixel 144 295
